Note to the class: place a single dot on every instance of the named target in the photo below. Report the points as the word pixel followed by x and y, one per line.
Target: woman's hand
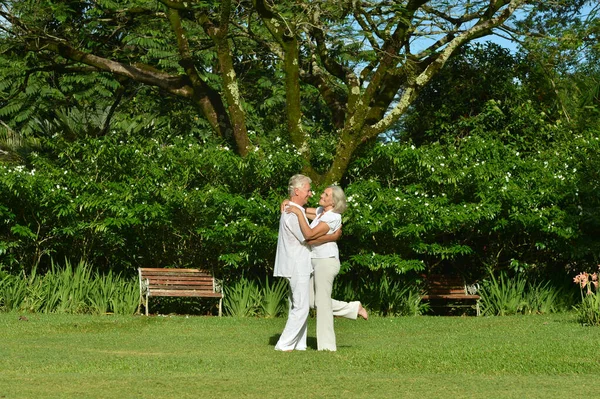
pixel 336 235
pixel 284 204
pixel 293 209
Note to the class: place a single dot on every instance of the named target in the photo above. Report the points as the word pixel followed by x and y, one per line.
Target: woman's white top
pixel 334 221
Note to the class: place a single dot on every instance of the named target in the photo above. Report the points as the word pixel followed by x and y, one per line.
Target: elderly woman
pixel 326 219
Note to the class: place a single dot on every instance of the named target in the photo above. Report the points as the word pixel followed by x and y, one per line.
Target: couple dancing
pixel 307 255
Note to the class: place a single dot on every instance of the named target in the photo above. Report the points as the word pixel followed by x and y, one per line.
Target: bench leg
pixel 147 304
pixel 141 302
pixel 220 306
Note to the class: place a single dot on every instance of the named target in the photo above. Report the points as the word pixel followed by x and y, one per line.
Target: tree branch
pixel 479 29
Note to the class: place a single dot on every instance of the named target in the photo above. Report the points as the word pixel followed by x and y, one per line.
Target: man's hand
pixel 336 235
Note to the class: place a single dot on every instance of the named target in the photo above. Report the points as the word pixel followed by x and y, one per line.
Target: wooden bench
pixel 450 292
pixel 177 283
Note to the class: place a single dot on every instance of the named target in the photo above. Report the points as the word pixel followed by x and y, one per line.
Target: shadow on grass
pixel 311 342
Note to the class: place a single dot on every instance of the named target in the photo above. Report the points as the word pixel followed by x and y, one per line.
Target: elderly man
pixel 292 261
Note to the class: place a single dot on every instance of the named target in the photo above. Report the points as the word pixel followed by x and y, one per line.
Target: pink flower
pixel 581 279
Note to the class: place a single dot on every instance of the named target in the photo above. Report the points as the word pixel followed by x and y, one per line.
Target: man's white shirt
pixel 293 254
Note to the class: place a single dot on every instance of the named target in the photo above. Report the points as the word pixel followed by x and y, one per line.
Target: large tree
pixel 360 64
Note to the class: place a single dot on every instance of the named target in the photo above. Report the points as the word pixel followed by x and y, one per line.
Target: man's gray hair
pixel 339 199
pixel 297 181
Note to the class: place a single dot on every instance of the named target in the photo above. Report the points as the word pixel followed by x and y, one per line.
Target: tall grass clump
pixel 273 298
pixel 588 311
pixel 502 296
pixel 242 298
pixel 13 291
pixel 247 298
pixel 69 289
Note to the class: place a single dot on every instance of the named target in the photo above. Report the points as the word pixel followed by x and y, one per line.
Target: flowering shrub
pixel 588 312
pixel 488 198
pixel 119 202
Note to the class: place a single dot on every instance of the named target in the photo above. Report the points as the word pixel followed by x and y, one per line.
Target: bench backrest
pixel 441 284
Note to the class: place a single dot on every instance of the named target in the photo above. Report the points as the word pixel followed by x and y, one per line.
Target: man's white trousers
pixel 293 336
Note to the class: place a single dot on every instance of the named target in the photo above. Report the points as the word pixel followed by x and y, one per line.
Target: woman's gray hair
pixel 339 199
pixel 297 181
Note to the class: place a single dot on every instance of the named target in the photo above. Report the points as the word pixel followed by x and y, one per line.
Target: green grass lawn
pixel 72 356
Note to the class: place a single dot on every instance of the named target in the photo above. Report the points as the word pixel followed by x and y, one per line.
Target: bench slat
pixel 180 280
pixel 437 296
pixel 457 292
pixel 176 275
pixel 182 293
pixel 438 286
pixel 204 288
pixel 162 269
